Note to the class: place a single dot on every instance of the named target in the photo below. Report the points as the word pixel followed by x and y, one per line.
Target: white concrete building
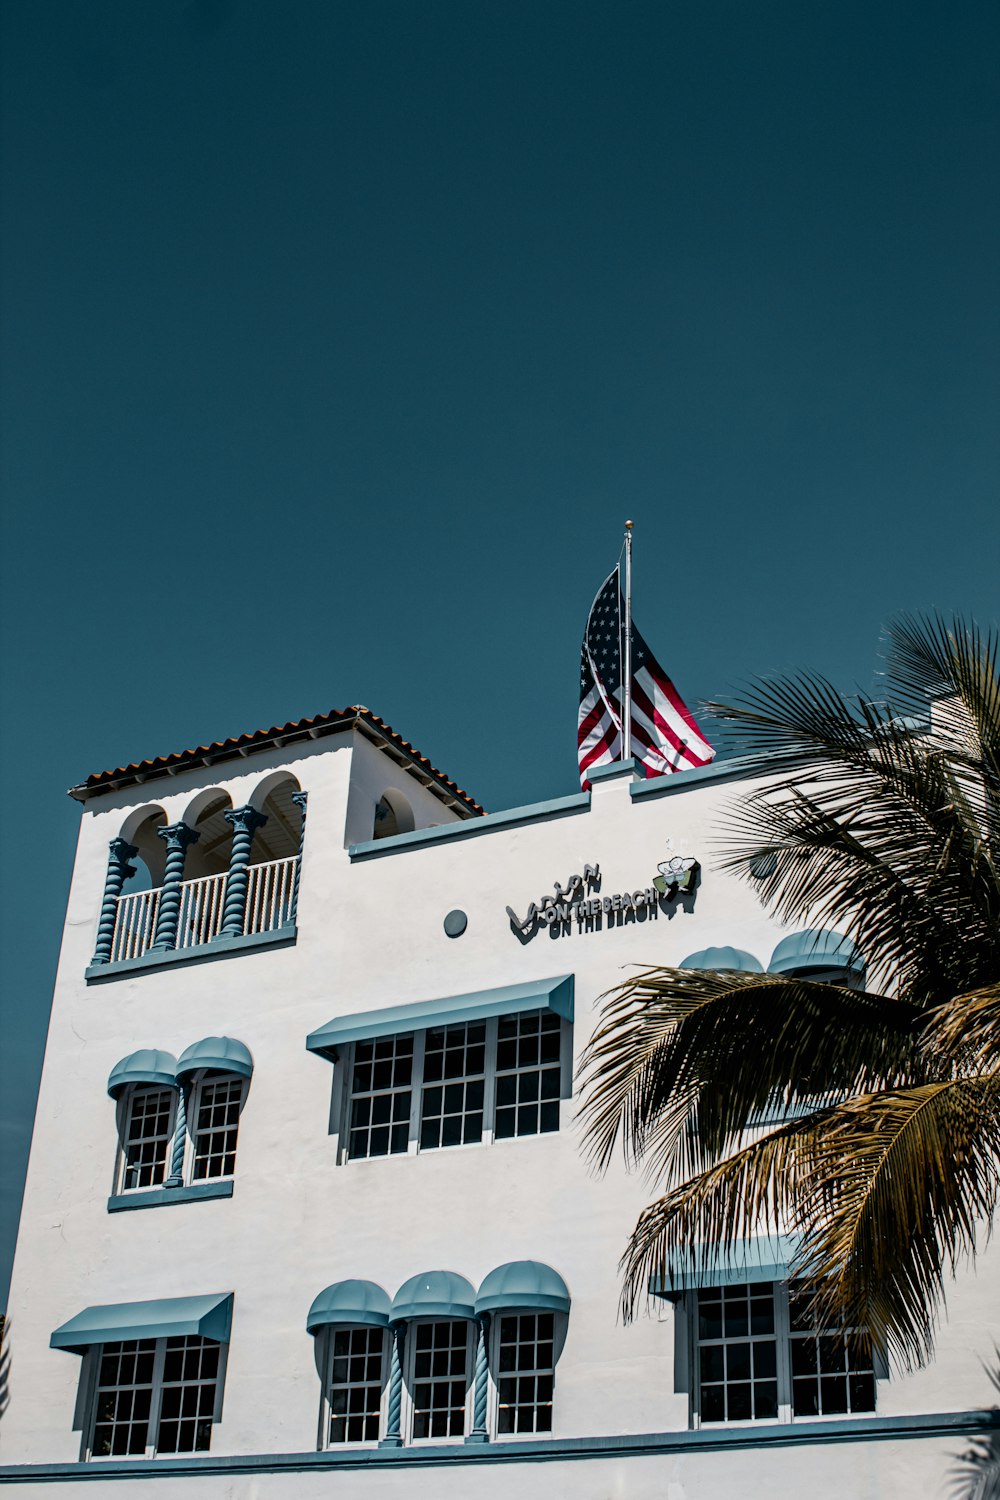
pixel 307 1210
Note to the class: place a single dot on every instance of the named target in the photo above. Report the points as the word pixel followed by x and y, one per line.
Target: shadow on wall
pixel 4 1364
pixel 976 1475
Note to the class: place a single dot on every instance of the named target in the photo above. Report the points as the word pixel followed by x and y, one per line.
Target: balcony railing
pixel 134 925
pixel 270 892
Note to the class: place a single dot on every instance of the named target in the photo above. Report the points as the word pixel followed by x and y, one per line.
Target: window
pixel 441 1365
pixel 525 1371
pixel 759 1356
pixel 528 1074
pixel 457 1085
pixel 833 1373
pixel 216 1118
pixel 355 1383
pixel 214 1103
pixel 154 1396
pixel 381 1096
pixel 451 1109
pixel 148 1133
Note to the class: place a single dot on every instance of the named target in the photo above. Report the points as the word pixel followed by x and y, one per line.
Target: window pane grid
pixel 832 1369
pixel 187 1402
pixel 147 1138
pixel 381 1097
pixel 440 1378
pixel 216 1128
pixel 529 1074
pixel 170 1383
pixel 356 1385
pixel 737 1353
pixel 123 1398
pixel 526 1371
pixel 451 1111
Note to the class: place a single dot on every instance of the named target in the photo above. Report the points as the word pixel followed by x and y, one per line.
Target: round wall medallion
pixel 455 923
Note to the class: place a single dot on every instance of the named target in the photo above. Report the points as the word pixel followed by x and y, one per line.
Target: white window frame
pixel 344 1075
pixel 122 1124
pixel 325 1444
pixel 558 1336
pixel 408 1413
pixel 90 1383
pixel 200 1080
pixel 686 1329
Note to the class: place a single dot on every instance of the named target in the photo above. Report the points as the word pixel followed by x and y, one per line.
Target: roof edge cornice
pixel 337 721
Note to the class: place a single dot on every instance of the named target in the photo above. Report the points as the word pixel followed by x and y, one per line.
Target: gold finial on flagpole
pixel 628 525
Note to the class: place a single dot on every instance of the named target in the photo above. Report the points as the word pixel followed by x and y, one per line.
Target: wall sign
pixel 576 901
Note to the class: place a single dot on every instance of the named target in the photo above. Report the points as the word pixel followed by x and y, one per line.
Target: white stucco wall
pixel 370 935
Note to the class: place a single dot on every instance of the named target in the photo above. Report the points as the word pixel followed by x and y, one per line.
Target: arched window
pixel 819 955
pixel 178 1119
pixel 350 1322
pixel 528 1303
pixel 393 814
pixel 144 1085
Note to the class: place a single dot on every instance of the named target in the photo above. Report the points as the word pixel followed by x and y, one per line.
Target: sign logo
pixel 576 901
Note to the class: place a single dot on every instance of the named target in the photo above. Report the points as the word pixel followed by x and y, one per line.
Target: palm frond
pixel 899 1186
pixel 967 1030
pixel 869 824
pixel 684 1058
pixel 756 1188
pixel 976 1474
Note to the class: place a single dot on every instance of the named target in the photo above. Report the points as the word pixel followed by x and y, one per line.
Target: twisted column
pixel 392 1438
pixel 177 837
pixel 300 799
pixel 245 821
pixel 176 1178
pixel 119 871
pixel 479 1433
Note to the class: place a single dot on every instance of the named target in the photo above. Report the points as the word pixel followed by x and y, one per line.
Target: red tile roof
pixel 261 739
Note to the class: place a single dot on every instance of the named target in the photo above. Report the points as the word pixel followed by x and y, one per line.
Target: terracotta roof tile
pixel 259 739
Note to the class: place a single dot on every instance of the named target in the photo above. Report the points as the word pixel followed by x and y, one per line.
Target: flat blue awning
pixel 168 1317
pixel 765 1258
pixel 541 994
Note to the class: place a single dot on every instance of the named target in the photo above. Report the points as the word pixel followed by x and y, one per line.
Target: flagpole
pixel 627 657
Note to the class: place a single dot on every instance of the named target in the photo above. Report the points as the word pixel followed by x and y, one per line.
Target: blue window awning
pixel 523 1284
pixel 148 1065
pixel 764 1258
pixel 349 1302
pixel 541 994
pixel 724 959
pixel 816 949
pixel 434 1294
pixel 168 1317
pixel 221 1054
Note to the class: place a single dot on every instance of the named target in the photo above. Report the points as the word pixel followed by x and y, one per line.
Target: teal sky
pixel 339 340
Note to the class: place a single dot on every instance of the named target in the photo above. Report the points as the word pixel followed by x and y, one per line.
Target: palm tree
pixel 882 823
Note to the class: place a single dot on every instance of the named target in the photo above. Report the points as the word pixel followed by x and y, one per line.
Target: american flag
pixel 665 736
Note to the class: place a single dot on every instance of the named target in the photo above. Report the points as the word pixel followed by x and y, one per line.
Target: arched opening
pixel 206 864
pixel 206 815
pixel 393 814
pixel 139 830
pixel 272 875
pixel 281 836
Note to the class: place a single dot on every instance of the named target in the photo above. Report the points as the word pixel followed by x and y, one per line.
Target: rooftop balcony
pixel 217 880
pixel 269 907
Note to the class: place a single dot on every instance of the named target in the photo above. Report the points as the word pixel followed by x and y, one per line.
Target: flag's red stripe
pixel 643 702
